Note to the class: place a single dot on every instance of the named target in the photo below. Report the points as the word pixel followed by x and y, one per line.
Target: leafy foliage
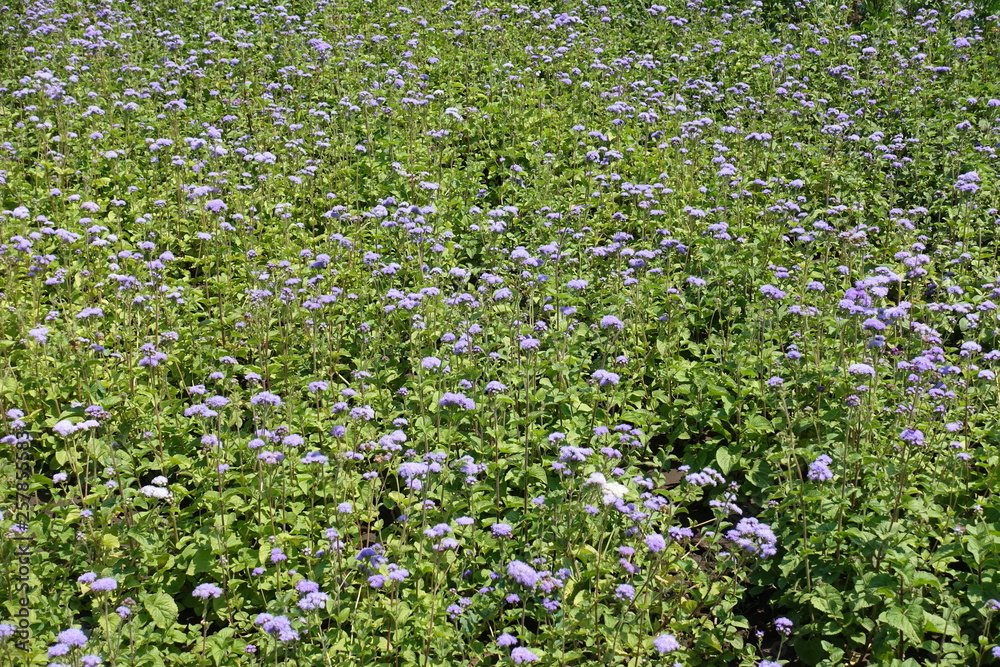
pixel 463 333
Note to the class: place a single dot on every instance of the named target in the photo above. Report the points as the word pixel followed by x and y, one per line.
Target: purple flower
pixel 215 206
pixel 783 625
pixel 506 640
pixel 754 537
pixel 625 592
pixel 529 343
pixel 571 453
pixel 306 586
pixel 495 387
pixel 439 530
pixel 205 591
pixel 680 533
pixel 521 654
pixel 279 626
pixel 861 369
pixel 501 530
pixel 666 644
pixel 104 584
pixel 772 292
pixel 610 321
pixel 523 573
pixel 967 182
pixel 604 377
pixel 58 650
pixel 819 470
pixel 313 600
pixel 89 312
pixel 655 542
pixel 706 477
pixel 446 544
pixel 412 469
pixel 64 428
pixel 271 458
pixel 72 637
pixel 578 284
pixel 457 400
pixel 266 398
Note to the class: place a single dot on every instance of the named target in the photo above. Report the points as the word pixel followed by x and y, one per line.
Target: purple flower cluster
pixel 754 537
pixel 523 573
pixel 458 400
pixel 819 469
pixel 278 626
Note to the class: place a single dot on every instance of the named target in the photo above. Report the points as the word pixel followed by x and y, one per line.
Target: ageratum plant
pixel 467 333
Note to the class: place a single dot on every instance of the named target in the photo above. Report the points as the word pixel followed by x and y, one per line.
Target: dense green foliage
pixel 351 333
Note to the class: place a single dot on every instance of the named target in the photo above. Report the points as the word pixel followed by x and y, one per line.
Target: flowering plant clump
pixel 340 332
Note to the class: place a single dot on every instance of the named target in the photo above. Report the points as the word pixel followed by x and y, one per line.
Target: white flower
pixel 159 480
pixel 155 492
pixel 614 491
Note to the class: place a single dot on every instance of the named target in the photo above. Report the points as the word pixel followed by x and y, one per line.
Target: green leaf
pixel 725 460
pixel 758 423
pixel 761 475
pixel 900 619
pixel 203 561
pixel 922 578
pixel 975 548
pixel 220 644
pixel 827 599
pixel 938 625
pixel 161 607
pixel 836 654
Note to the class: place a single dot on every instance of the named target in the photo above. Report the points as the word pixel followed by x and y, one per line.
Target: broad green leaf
pixel 900 619
pixel 161 607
